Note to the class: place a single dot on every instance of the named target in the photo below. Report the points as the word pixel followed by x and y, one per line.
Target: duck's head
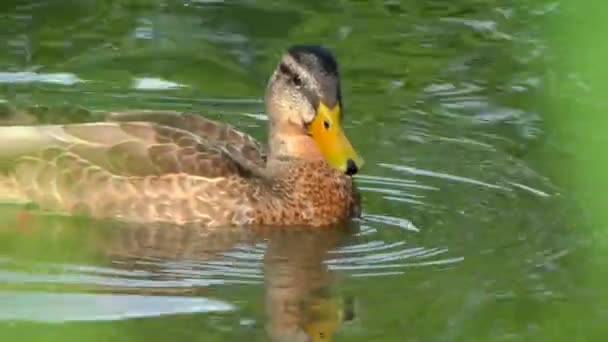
pixel 304 105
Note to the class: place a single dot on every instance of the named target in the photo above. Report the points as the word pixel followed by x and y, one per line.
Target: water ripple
pixel 447 176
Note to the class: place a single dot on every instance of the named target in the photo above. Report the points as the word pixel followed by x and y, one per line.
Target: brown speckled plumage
pixel 154 166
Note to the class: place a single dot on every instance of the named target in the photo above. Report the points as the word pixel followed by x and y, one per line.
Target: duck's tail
pixel 10 191
pixel 16 142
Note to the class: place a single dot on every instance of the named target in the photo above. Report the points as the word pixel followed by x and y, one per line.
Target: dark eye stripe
pixel 285 69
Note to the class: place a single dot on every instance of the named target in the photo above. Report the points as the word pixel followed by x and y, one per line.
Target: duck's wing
pixel 122 148
pixel 239 144
pixel 141 170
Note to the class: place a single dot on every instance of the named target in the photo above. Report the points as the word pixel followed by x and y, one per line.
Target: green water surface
pixel 468 231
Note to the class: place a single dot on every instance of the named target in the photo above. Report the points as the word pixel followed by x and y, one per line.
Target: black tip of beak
pixel 351 167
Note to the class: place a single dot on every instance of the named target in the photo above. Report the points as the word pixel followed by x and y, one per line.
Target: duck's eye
pixel 326 124
pixel 297 80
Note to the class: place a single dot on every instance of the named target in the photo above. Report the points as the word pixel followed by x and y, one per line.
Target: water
pixel 465 236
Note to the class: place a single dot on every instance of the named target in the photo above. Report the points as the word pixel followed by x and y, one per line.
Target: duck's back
pixel 140 170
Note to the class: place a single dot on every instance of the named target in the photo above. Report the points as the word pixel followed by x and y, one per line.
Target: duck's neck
pixel 288 140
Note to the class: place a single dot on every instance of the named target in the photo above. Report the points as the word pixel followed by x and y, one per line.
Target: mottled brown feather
pixel 237 143
pixel 147 172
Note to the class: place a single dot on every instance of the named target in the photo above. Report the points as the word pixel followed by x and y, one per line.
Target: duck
pixel 151 166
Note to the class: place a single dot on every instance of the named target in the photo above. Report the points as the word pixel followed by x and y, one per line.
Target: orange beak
pixel 326 130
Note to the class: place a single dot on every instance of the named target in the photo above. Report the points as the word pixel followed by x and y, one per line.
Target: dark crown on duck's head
pixel 323 66
pixel 315 56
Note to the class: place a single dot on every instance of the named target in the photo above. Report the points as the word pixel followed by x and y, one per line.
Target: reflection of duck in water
pixel 301 302
pixel 178 168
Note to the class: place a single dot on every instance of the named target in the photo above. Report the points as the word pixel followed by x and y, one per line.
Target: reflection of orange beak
pixel 327 132
pixel 326 316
